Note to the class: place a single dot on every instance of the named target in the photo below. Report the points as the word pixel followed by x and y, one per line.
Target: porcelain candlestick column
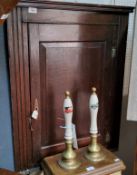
pixel 94 152
pixel 68 160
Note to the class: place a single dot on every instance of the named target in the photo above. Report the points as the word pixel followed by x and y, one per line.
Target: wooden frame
pixel 76 6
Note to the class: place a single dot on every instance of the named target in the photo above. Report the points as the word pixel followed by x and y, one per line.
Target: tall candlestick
pixel 68 160
pixel 94 152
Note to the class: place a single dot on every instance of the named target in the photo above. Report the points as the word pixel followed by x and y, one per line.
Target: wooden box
pixel 111 165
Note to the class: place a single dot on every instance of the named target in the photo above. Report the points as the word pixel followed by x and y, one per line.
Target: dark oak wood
pixel 64 46
pixel 49 4
pixel 20 99
pixel 105 167
pixel 65 17
pixel 135 163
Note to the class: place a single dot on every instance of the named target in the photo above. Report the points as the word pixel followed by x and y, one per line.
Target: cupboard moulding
pixel 75 6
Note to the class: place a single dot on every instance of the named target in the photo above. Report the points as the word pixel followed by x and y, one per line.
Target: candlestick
pixel 68 160
pixel 94 152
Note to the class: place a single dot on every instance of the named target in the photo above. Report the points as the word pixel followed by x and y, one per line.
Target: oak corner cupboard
pixel 59 46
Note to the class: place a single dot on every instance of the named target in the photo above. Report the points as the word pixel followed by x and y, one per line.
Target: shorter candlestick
pixel 68 160
pixel 94 152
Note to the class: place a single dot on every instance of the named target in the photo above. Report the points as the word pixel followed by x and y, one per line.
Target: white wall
pixel 108 2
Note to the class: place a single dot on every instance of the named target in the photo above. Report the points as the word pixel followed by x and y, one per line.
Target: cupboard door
pixel 74 58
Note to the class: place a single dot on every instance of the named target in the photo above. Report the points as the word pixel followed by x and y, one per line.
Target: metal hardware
pixel 36 106
pixel 113 52
pixel 34 114
pixel 107 138
pixel 30 124
pixel 94 152
pixel 69 160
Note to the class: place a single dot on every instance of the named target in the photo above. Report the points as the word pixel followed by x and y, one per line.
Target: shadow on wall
pixel 127 143
pixel 6 147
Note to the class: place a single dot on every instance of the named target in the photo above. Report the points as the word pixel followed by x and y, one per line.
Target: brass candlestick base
pixel 68 160
pixel 94 152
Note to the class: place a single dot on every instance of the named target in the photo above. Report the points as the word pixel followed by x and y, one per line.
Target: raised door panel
pixel 68 66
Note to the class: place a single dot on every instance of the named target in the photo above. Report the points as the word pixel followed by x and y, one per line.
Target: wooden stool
pixel 7 172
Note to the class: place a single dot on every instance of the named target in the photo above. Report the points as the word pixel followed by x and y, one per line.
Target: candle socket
pixel 94 152
pixel 69 160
